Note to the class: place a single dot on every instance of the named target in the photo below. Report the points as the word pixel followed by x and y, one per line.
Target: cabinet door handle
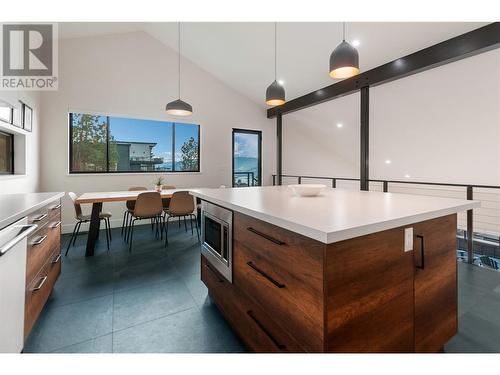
pixel 275 283
pixel 56 225
pixel 422 251
pixel 214 273
pixel 266 236
pixel 39 218
pixel 40 240
pixel 264 329
pixel 56 207
pixel 40 284
pixel 56 259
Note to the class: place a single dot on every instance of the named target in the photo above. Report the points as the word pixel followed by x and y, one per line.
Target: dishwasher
pixel 13 248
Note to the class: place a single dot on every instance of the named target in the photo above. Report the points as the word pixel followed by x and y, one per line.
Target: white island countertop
pixel 16 206
pixel 336 214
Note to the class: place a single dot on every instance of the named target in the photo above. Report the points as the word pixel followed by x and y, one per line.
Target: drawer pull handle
pixel 39 218
pixel 56 225
pixel 264 329
pixel 422 263
pixel 56 207
pixel 266 236
pixel 215 274
pixel 40 240
pixel 40 285
pixel 275 283
pixel 56 259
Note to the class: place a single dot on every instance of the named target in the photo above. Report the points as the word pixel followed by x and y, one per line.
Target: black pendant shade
pixel 344 60
pixel 179 108
pixel 275 94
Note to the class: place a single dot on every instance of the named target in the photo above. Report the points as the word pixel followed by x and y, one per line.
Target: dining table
pixel 98 198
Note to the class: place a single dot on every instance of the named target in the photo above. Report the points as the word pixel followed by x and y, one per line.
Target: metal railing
pixel 250 179
pixel 479 229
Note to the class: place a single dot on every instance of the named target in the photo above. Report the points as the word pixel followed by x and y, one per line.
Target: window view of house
pixel 246 158
pixel 117 144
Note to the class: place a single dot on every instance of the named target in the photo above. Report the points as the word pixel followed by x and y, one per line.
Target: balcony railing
pixel 245 179
pixel 478 234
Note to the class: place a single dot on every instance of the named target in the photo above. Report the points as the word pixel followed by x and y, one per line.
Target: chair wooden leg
pixel 71 239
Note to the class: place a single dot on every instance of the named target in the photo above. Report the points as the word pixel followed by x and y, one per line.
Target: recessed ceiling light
pixel 355 43
pixel 281 82
pixel 339 125
pixel 407 175
pixel 387 161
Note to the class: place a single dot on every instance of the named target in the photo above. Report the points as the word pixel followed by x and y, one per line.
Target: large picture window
pixel 108 144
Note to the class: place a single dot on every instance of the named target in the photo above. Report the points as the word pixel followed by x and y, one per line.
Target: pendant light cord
pixel 275 54
pixel 343 31
pixel 179 57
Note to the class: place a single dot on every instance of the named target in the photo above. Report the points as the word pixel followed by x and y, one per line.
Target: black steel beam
pixel 365 138
pixel 279 148
pixel 472 43
pixel 470 228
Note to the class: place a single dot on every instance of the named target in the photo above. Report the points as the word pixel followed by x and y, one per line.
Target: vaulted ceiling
pixel 242 54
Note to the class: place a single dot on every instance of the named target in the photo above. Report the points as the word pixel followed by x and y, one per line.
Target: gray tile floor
pixel 152 300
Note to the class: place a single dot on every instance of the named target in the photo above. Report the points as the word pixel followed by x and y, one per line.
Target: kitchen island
pixel 346 271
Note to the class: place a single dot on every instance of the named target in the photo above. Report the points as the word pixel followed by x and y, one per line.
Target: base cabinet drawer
pixel 38 291
pixel 259 331
pixel 40 246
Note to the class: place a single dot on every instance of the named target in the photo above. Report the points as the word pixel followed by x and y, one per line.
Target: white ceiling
pixel 241 54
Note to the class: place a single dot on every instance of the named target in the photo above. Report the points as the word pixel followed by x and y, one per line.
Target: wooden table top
pixel 119 196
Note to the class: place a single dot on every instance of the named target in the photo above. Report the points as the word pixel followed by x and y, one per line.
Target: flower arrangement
pixel 158 182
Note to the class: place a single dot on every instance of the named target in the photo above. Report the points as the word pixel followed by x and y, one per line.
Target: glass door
pixel 247 157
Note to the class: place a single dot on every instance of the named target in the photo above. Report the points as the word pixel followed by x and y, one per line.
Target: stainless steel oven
pixel 217 238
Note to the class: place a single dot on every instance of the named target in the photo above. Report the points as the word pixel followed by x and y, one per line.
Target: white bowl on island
pixel 307 190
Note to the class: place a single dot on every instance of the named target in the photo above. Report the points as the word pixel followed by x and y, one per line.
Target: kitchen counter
pixel 16 206
pixel 336 214
pixel 347 271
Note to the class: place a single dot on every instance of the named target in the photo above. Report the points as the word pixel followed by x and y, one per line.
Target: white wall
pixel 314 145
pixel 26 146
pixel 441 125
pixel 135 75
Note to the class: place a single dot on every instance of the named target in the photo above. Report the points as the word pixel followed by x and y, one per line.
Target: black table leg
pixel 94 229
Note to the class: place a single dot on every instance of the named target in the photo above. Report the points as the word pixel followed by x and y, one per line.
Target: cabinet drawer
pixel 39 217
pixel 54 210
pixel 39 289
pixel 259 331
pixel 286 279
pixel 40 246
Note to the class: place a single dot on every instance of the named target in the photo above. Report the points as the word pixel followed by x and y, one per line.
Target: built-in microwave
pixel 217 238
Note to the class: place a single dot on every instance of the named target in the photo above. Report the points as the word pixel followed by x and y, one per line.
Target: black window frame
pixel 247 131
pixel 107 171
pixel 11 136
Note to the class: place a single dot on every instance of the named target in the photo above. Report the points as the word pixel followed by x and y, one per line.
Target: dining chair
pixel 181 206
pixel 129 208
pixel 166 201
pixel 105 216
pixel 147 206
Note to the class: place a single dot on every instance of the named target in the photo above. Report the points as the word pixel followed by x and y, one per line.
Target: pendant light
pixel 179 107
pixel 275 93
pixel 344 60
